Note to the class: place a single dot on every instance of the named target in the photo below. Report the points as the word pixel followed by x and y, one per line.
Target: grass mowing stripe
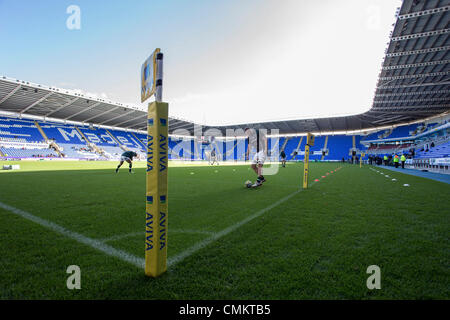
pixel 132 259
pixel 96 244
pixel 216 236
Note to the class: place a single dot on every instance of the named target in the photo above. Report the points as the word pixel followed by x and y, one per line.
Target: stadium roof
pixel 25 98
pixel 414 83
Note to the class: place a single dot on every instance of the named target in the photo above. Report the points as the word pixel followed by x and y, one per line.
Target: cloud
pixel 301 59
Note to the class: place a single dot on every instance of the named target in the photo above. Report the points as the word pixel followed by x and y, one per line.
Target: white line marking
pixel 142 233
pixel 140 262
pixel 216 236
pixel 191 231
pixel 96 244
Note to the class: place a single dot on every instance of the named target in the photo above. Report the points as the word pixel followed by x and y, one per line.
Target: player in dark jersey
pixel 212 157
pixel 128 157
pixel 283 158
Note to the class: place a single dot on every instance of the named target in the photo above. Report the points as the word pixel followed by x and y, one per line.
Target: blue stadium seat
pixel 440 151
pixel 19 130
pixel 338 147
pixel 62 133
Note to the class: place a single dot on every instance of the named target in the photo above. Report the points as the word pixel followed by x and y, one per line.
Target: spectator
pixel 396 160
pixel 403 160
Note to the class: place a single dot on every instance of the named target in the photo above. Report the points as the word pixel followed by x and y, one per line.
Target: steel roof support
pixel 61 107
pixel 412 100
pixel 411 93
pixel 421 64
pixel 102 113
pixel 412 76
pixel 423 13
pixel 132 119
pixel 415 85
pixel 10 94
pixel 119 116
pixel 420 51
pixel 36 102
pixel 420 35
pixel 84 110
pixel 427 107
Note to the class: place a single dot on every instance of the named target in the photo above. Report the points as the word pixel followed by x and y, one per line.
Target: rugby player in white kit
pixel 257 142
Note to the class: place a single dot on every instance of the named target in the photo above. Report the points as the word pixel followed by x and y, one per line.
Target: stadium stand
pixel 70 140
pixel 316 150
pixel 402 131
pixel 372 136
pixel 21 138
pixel 441 151
pixel 107 145
pixel 24 152
pixel 76 151
pixel 338 147
pixel 128 142
pixel 230 147
pixel 19 130
pixel 142 139
pixel 290 146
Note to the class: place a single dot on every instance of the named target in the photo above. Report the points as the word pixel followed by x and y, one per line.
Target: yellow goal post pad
pixel 156 213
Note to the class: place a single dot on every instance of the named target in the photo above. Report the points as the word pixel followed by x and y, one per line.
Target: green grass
pixel 316 245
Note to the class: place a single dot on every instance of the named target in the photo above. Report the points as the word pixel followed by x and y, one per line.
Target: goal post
pixel 309 143
pixel 156 213
pixel 156 205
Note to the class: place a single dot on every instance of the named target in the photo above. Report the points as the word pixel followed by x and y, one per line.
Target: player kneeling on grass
pixel 128 157
pixel 257 142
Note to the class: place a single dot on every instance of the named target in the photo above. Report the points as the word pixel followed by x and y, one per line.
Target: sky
pixel 225 62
